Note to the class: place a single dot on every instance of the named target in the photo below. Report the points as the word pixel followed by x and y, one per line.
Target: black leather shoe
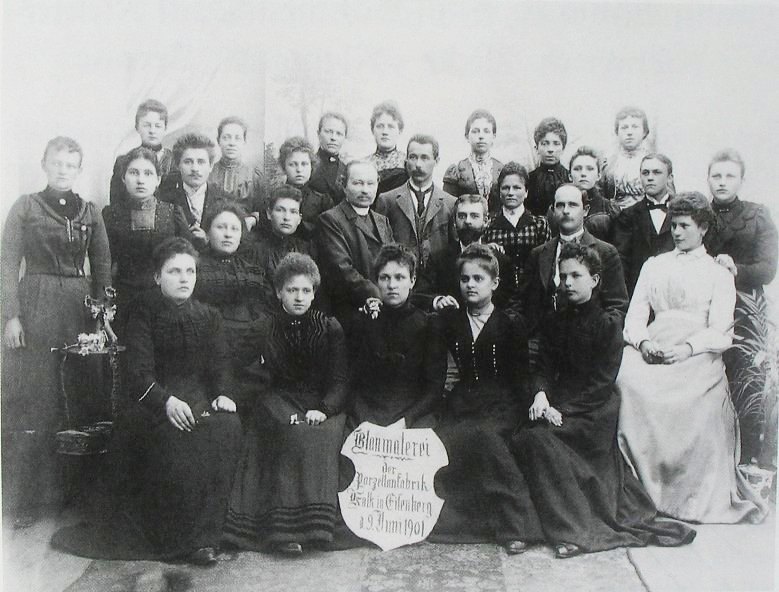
pixel 290 548
pixel 204 556
pixel 515 547
pixel 567 550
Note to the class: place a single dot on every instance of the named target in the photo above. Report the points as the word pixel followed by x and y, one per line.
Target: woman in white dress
pixel 677 427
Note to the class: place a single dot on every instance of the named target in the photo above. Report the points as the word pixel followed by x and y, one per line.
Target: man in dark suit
pixel 348 238
pixel 329 170
pixel 151 121
pixel 540 292
pixel 194 156
pixel 643 230
pixel 419 212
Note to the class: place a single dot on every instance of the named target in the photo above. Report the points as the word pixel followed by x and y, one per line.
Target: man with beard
pixel 442 275
pixel 151 121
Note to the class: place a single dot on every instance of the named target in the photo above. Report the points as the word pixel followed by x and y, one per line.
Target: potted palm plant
pixel 756 386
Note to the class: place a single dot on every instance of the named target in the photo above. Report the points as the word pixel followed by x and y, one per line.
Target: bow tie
pixel 657 206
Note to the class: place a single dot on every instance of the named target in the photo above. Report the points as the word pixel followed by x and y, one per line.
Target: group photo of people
pixel 588 333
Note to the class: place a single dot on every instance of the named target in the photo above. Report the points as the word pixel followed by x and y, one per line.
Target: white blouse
pixel 686 284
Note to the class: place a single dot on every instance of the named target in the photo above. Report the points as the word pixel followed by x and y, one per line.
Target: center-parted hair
pixel 294 264
pixel 550 125
pixel 224 206
pixel 513 168
pixel 145 154
pixel 482 256
pixel 197 141
pixel 229 120
pixel 389 108
pixel 585 255
pixel 333 115
pixel 480 114
pixel 399 254
pixel 693 204
pixel 632 112
pixel 587 151
pixel 171 247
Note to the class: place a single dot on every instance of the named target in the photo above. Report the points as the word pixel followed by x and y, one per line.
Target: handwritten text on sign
pixel 391 501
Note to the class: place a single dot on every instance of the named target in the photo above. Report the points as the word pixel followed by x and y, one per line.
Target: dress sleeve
pixel 762 269
pixel 613 292
pixel 99 254
pixel 142 380
pixel 622 237
pixel 717 336
pixel 12 254
pixel 452 181
pixel 338 382
pixel 637 318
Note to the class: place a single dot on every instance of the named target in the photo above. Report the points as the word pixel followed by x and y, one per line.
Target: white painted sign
pixel 392 501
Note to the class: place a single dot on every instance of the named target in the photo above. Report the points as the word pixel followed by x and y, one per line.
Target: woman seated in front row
pixel 677 425
pixel 286 488
pixel 399 358
pixel 568 453
pixel 185 429
pixel 486 496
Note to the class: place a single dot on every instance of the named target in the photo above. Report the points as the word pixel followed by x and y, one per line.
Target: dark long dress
pixel 579 482
pixel 485 495
pixel 233 285
pixel 54 240
pixel 399 368
pixel 185 477
pixel 287 479
pixel 135 228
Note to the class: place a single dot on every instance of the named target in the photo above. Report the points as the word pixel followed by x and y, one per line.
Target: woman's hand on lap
pixel 314 417
pixel 539 406
pixel 650 352
pixel 179 414
pixel 553 416
pixel 13 335
pixel 678 353
pixel 222 403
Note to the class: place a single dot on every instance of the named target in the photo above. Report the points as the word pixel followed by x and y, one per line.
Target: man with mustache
pixel 194 156
pixel 643 230
pixel 419 212
pixel 539 286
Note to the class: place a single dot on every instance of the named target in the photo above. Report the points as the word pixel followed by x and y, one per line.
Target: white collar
pixel 567 238
pixel 515 215
pixel 694 254
pixel 484 315
pixel 662 200
pixel 192 193
pixel 424 189
pixel 360 211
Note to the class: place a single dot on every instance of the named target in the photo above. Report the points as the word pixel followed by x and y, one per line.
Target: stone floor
pixel 721 558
